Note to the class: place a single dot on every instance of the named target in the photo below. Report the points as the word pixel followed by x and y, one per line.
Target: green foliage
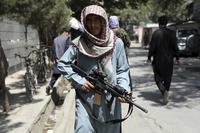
pixel 49 16
pixel 136 11
pixel 5 6
pixel 109 5
pixel 77 5
pixel 174 9
pixel 59 16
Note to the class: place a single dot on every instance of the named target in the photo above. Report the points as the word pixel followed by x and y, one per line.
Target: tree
pixel 47 16
pixel 110 6
pixel 174 9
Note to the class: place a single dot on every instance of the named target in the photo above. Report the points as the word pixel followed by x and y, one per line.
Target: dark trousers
pixel 163 83
pixel 54 95
pixel 54 78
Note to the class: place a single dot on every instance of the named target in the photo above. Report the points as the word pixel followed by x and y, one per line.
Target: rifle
pixel 102 86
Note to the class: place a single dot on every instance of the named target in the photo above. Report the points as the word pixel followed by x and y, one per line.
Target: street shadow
pixel 141 53
pixel 138 51
pixel 42 83
pixel 141 65
pixel 136 48
pixel 183 93
pixel 18 99
pixel 185 86
pixel 153 96
pixel 18 84
pixel 21 99
pixel 4 124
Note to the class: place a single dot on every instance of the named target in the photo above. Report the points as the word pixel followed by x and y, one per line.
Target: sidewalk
pixel 22 117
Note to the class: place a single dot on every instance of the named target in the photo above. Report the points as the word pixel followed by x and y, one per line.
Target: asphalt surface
pixel 181 114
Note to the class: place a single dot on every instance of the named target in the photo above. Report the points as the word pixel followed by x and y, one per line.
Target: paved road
pixel 181 114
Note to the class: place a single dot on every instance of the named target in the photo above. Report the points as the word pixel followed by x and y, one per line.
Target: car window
pixel 186 33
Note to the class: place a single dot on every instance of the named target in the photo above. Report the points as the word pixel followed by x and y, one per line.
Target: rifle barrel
pixel 138 106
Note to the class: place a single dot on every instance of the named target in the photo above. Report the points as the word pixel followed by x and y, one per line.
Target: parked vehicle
pixel 188 38
pixel 188 42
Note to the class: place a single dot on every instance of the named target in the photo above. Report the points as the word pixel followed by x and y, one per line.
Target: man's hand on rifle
pixel 122 100
pixel 87 86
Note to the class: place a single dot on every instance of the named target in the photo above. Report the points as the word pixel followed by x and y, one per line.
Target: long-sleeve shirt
pixel 102 112
pixel 60 45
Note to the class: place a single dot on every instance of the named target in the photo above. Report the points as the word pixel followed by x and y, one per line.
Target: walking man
pixel 60 45
pixel 163 48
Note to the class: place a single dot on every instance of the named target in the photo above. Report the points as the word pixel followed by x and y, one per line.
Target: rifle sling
pixel 88 109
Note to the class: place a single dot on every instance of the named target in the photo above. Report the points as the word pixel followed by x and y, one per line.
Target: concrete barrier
pixel 39 123
pixel 66 119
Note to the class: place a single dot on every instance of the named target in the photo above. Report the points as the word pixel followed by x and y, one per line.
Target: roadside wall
pixel 13 40
pixel 66 119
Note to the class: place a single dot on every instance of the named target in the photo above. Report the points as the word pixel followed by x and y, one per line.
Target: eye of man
pixel 92 18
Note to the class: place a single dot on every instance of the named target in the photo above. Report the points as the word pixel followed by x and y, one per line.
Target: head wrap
pixel 105 35
pixel 96 46
pixel 113 22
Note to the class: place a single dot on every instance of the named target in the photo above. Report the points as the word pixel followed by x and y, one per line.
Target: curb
pixel 38 124
pixel 66 118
